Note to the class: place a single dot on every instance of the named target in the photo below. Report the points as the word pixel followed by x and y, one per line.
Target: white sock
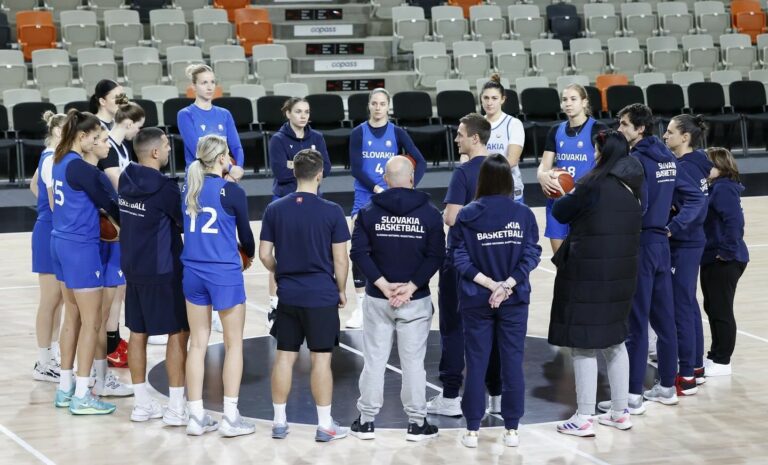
pixel 230 407
pixel 81 386
pixel 279 418
pixel 65 380
pixel 360 299
pixel 176 398
pixel 324 419
pixel 273 301
pixel 196 408
pixel 141 394
pixel 101 369
pixel 44 356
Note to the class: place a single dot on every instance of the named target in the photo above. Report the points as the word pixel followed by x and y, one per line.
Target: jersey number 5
pixel 58 193
pixel 207 229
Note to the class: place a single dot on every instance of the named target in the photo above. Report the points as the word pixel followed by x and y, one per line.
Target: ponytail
pixel 75 123
pixel 52 121
pixel 209 148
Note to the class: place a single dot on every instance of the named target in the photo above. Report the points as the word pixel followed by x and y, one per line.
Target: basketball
pixel 110 231
pixel 245 261
pixel 566 182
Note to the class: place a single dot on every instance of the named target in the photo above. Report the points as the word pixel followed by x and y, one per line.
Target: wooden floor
pixel 724 424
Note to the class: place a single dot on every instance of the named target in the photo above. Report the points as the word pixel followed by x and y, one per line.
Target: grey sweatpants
pixel 585 370
pixel 412 322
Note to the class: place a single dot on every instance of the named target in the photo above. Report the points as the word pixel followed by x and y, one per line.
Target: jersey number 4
pixel 207 227
pixel 379 169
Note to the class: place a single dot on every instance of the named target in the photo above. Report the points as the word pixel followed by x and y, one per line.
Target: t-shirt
pixel 303 227
pixel 506 131
pixel 463 184
pixel 119 156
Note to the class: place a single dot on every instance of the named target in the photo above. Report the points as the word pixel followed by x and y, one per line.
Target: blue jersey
pixel 575 154
pixel 210 239
pixel 75 215
pixel 43 207
pixel 376 152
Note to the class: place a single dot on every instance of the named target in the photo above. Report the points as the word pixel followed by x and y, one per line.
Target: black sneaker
pixel 418 433
pixel 271 317
pixel 362 430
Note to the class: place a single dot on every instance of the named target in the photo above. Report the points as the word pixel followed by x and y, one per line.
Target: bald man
pixel 398 242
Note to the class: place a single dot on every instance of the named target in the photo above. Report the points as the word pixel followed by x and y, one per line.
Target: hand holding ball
pixel 245 261
pixel 109 230
pixel 565 180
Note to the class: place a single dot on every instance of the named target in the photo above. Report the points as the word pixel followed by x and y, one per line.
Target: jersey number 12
pixel 207 229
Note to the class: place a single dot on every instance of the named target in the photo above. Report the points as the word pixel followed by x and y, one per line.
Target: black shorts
pixel 318 325
pixel 155 309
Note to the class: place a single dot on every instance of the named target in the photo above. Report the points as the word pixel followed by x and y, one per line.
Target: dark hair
pixel 494 83
pixel 146 139
pixel 76 122
pixel 291 102
pixel 724 162
pixel 639 115
pixel 128 110
pixel 102 89
pixel 495 177
pixel 476 124
pixel 693 125
pixel 613 146
pixel 307 164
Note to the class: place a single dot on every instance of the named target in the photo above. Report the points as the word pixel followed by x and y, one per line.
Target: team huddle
pixel 628 243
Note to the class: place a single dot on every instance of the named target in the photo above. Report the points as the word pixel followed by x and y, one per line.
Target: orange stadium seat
pixel 252 27
pixel 231 6
pixel 465 5
pixel 35 31
pixel 748 17
pixel 604 81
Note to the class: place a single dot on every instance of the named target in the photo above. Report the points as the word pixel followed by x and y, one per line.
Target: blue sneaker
pixel 279 431
pixel 63 398
pixel 90 405
pixel 332 434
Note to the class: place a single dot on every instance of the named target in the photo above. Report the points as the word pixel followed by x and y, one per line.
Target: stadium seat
pixel 748 99
pixel 413 112
pixel 252 27
pixel 762 47
pixel 685 79
pixel 101 6
pixel 79 29
pixel 51 68
pixel 382 9
pixel 330 122
pixel 470 60
pixel 171 108
pixel 747 17
pixel 708 99
pixel 211 28
pixel 95 64
pixel 12 7
pixel 12 97
pixel 431 63
pixel 510 58
pixel 757 75
pixel 449 25
pixel 159 94
pixel 564 22
pixel 587 57
pixel 737 53
pixel 675 20
pixel 141 67
pixel 452 105
pixel 408 27
pixel 122 28
pixel 230 6
pixel 168 28
pixel 465 5
pixel 711 18
pixel 251 138
pixel 548 58
pixel 565 81
pixel 5 32
pixel 725 78
pixel 643 80
pixel 178 58
pixel 665 101
pixel 601 21
pixel 252 92
pixel 35 31
pixel 638 21
pixel 188 6
pixel 271 115
pixel 230 65
pixel 270 64
pixel 700 53
pixel 530 82
pixel 451 84
pixel 487 24
pixel 291 89
pixel 625 56
pixel 526 23
pixel 541 106
pixel 618 97
pixel 63 95
pixel 13 71
pixel 604 81
pixel 144 7
pixel 664 56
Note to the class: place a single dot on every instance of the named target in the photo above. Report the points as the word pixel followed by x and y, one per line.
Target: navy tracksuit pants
pixel 690 333
pixel 653 301
pixel 451 366
pixel 508 326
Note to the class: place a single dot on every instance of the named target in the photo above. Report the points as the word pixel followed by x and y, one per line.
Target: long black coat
pixel 597 273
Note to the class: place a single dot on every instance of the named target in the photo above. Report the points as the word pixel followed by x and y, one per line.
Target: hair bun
pixel 495 77
pixel 122 99
pixel 48 116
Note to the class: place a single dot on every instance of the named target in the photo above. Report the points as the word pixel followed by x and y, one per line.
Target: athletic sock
pixel 44 356
pixel 230 407
pixel 101 369
pixel 176 398
pixel 196 408
pixel 360 300
pixel 81 386
pixel 279 418
pixel 324 419
pixel 141 394
pixel 113 340
pixel 65 380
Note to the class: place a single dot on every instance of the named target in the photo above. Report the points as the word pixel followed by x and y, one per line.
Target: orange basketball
pixel 245 261
pixel 110 231
pixel 566 182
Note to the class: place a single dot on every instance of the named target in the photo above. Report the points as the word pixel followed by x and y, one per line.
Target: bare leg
pixel 176 358
pixel 48 308
pixel 69 330
pixel 321 378
pixel 89 303
pixel 108 296
pixel 114 311
pixel 199 332
pixel 282 375
pixel 233 321
pixel 137 357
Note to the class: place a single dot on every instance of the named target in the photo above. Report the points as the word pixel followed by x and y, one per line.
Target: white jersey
pixel 507 131
pixel 123 156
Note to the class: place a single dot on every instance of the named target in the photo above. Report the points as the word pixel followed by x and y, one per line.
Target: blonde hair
pixel 583 94
pixel 52 121
pixel 193 70
pixel 209 148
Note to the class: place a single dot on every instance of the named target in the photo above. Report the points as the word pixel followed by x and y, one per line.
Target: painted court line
pixel 744 333
pixel 26 446
pixel 568 447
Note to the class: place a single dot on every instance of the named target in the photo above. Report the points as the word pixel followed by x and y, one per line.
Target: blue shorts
pixel 200 291
pixel 110 258
pixel 554 229
pixel 155 309
pixel 42 262
pixel 77 264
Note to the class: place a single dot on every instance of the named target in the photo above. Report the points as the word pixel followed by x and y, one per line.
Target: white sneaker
pixel 494 405
pixel 200 426
pixel 56 354
pixel 663 395
pixel 173 417
pixel 712 369
pixel 216 322
pixel 577 426
pixel 469 439
pixel 635 405
pixel 439 405
pixel 356 320
pixel 237 427
pixel 112 387
pixel 511 438
pixel 619 420
pixel 147 412
pixel 49 372
pixel 158 340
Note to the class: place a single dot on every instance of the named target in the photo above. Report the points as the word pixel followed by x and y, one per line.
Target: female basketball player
pixel 215 216
pixel 49 309
pixel 105 100
pixel 494 245
pixel 725 259
pixel 568 147
pixel 79 191
pixel 371 145
pixel 684 137
pixel 507 134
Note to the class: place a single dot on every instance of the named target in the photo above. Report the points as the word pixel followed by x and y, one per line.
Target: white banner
pixel 365 64
pixel 317 30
